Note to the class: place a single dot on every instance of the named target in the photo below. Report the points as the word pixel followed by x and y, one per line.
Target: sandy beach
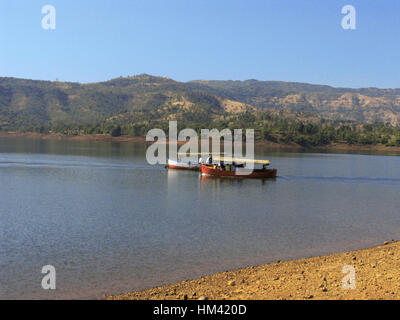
pixel 377 276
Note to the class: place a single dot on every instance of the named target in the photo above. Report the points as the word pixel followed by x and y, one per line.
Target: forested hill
pixel 134 104
pixel 33 103
pixel 364 105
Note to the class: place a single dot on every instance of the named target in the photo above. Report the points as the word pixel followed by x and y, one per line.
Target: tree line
pixel 267 126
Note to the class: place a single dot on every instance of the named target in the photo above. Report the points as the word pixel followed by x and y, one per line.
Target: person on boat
pixel 200 160
pixel 209 160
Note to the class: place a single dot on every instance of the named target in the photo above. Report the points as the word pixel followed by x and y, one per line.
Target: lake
pixel 111 223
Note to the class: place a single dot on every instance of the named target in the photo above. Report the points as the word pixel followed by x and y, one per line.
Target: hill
pixel 132 105
pixel 364 105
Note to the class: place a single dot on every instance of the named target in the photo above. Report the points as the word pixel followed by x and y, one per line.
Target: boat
pixel 237 171
pixel 177 164
pixel 183 165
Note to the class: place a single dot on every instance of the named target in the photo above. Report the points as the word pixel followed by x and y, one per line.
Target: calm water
pixel 111 223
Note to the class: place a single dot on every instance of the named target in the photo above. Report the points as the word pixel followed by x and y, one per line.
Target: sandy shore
pixel 269 144
pixel 377 276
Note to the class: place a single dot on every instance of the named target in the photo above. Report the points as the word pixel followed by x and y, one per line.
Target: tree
pixel 116 131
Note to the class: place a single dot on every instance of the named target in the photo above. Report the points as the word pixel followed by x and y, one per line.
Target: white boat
pixel 177 164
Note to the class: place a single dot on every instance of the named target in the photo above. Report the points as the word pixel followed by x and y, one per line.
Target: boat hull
pixel 255 174
pixel 173 164
pixel 170 166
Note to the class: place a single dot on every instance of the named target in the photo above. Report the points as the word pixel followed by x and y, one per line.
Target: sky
pixel 286 40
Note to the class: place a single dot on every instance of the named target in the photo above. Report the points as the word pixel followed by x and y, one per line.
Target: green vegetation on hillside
pixel 267 126
pixel 309 115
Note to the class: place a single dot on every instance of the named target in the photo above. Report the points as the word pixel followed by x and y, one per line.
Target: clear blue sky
pixel 296 40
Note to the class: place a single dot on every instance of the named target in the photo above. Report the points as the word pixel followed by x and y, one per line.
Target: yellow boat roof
pixel 200 153
pixel 228 159
pixel 244 160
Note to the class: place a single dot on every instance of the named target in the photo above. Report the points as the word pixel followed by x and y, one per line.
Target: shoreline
pixel 59 136
pixel 272 145
pixel 377 276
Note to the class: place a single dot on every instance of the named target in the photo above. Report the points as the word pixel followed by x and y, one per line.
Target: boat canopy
pixel 199 153
pixel 242 160
pixel 216 157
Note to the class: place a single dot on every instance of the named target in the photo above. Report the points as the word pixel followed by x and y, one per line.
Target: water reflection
pixel 207 181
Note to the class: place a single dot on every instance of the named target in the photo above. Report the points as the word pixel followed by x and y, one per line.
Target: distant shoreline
pixel 59 136
pixel 319 278
pixel 272 145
